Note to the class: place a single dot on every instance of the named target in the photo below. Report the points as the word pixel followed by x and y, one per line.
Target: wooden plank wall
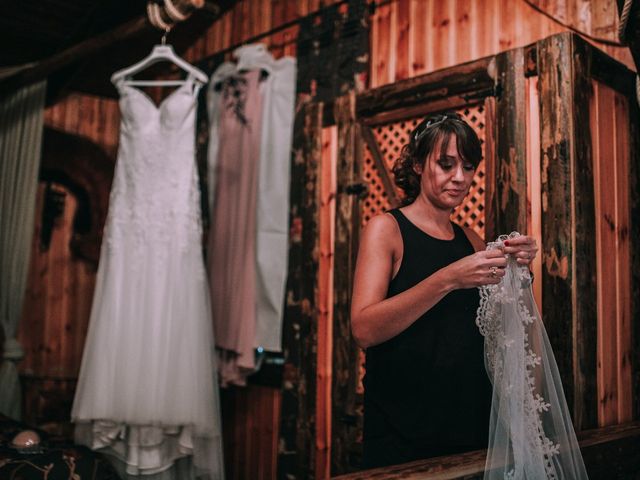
pixel 411 37
pixel 568 218
pixel 94 118
pixel 58 300
pixel 55 320
pixel 408 38
pixel 610 141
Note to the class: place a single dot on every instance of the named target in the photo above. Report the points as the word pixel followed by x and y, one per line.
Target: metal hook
pixel 164 36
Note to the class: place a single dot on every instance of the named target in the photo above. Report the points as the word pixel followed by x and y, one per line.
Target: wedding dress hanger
pixel 162 52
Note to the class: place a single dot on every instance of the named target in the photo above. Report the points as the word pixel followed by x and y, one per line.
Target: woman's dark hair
pixel 424 139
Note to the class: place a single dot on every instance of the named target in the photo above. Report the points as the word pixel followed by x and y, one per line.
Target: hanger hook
pixel 164 35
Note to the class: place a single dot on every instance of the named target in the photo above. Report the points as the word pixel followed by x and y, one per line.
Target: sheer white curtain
pixel 21 116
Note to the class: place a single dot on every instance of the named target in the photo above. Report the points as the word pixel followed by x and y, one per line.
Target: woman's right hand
pixel 482 268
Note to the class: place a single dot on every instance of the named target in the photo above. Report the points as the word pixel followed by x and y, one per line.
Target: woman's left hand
pixel 523 248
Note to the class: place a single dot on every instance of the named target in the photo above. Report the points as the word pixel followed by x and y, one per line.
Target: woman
pixel 415 300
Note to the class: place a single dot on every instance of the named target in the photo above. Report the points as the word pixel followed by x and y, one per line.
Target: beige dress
pixel 232 237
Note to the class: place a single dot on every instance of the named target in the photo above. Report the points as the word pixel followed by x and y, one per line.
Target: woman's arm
pixel 374 318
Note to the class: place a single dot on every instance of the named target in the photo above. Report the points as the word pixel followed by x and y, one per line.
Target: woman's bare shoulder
pixel 381 230
pixel 382 226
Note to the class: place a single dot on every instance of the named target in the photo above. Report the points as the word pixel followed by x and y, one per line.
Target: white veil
pixel 531 436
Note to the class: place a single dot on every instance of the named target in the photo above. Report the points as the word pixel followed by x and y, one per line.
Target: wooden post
pixel 297 425
pixel 509 171
pixel 345 425
pixel 568 221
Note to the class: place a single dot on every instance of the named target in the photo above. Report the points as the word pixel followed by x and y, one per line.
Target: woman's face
pixel 446 179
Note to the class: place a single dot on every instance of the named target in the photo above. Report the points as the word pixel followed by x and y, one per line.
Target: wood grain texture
pixel 298 421
pixel 509 199
pixel 449 32
pixel 346 428
pixel 567 223
pixel 490 169
pixel 598 447
pixel 324 375
pixel 604 180
pixel 610 124
pixel 475 29
pixel 451 85
pixel 248 430
pixel 623 259
pixel 533 178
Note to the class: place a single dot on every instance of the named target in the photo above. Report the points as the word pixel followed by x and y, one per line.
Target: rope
pixel 624 18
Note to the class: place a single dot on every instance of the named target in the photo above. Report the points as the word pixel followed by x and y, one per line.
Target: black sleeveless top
pixel 428 386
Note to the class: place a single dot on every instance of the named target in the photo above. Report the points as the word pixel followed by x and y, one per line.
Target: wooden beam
pixel 381 166
pixel 346 421
pixel 325 292
pixel 451 82
pixel 509 173
pixel 609 453
pixel 296 457
pixel 568 220
pixel 607 69
pixel 34 72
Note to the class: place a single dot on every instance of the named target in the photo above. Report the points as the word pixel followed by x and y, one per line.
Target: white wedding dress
pixel 147 390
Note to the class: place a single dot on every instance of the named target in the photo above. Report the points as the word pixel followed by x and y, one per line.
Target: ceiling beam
pixel 33 72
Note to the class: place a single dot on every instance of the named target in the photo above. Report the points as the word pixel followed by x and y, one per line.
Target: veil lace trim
pixel 531 435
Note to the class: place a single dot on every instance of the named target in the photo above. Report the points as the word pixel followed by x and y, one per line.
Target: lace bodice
pixel 155 195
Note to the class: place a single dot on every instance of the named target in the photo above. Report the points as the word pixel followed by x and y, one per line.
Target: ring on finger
pixel 493 271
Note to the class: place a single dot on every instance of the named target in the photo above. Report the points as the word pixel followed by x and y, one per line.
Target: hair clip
pixel 433 122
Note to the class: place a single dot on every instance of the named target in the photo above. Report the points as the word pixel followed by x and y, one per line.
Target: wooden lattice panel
pixel 390 139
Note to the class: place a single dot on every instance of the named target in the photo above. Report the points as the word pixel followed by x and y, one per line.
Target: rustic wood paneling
pixel 604 180
pixel 610 126
pixel 598 447
pixel 298 423
pixel 623 257
pixel 94 118
pixel 326 230
pixel 568 214
pixel 409 38
pixel 345 456
pixel 445 33
pixel 425 93
pixel 250 423
pixel 534 188
pixel 57 300
pixel 509 199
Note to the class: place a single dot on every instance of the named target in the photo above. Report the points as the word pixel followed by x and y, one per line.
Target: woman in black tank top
pixel 415 301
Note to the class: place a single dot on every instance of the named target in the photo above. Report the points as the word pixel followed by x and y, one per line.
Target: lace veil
pixel 531 436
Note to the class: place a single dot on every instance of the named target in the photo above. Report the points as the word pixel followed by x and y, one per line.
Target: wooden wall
pixel 56 316
pixel 408 38
pixel 411 37
pixel 93 118
pixel 610 145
